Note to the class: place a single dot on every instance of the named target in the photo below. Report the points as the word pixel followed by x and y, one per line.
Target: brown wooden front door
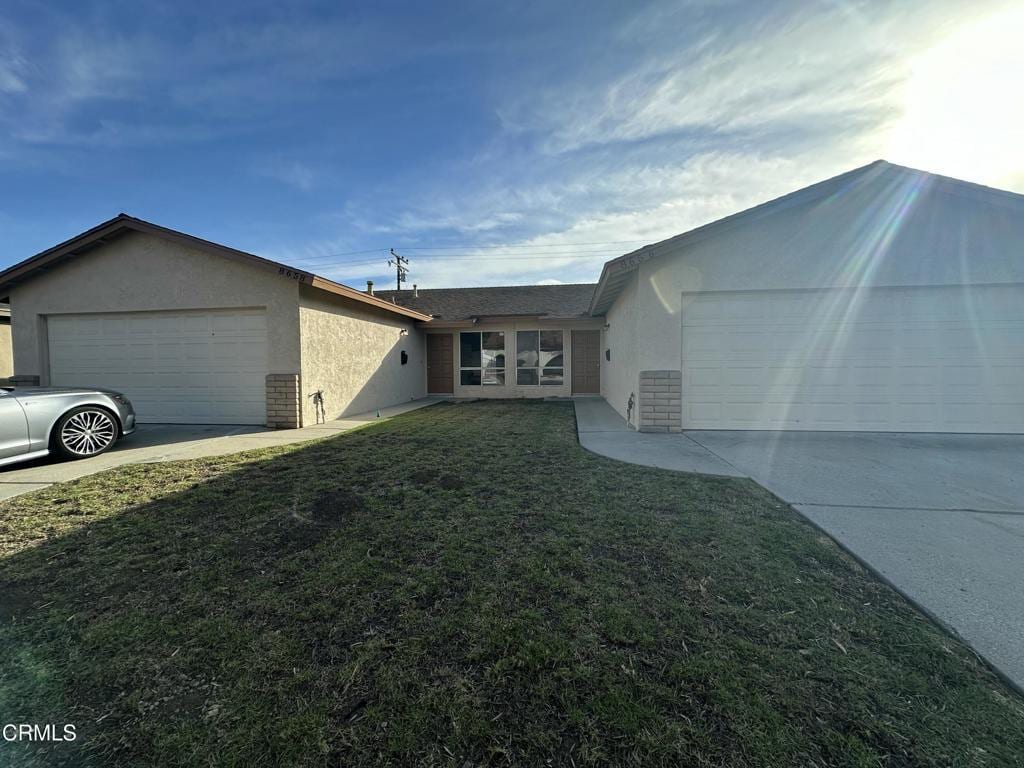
pixel 586 362
pixel 439 364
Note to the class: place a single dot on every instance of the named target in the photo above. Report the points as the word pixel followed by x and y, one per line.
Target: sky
pixel 490 143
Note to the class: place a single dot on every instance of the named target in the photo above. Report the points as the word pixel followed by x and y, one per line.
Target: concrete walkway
pixel 170 442
pixel 939 517
pixel 603 431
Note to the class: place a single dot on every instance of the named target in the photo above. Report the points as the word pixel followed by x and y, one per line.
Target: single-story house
pixel 882 299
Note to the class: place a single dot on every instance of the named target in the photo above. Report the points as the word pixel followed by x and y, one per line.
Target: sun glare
pixel 964 105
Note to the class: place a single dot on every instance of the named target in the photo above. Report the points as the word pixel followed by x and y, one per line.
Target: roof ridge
pixel 953 181
pixel 816 187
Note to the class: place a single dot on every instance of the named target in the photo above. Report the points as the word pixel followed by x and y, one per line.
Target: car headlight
pixel 121 400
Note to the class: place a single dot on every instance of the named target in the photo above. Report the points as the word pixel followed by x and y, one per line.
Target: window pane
pixel 470 378
pixel 551 377
pixel 551 359
pixel 492 359
pixel 526 349
pixel 526 377
pixel 469 350
pixel 551 341
pixel 494 340
pixel 494 377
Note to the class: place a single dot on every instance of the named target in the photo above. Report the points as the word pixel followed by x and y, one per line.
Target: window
pixel 539 358
pixel 482 358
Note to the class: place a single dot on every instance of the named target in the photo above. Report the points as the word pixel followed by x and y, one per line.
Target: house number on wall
pixel 302 277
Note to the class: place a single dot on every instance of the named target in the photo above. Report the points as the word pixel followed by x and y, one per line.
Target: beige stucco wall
pixel 353 355
pixel 511 389
pixel 139 272
pixel 619 376
pixel 6 358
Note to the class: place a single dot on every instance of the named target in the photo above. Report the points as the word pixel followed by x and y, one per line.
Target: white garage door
pixel 890 359
pixel 176 367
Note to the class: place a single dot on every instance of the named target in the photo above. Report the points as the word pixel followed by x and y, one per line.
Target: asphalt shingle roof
pixel 571 300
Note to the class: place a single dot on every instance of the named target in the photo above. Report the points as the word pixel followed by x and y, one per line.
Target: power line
pixel 547 255
pixel 460 257
pixel 472 248
pixel 354 253
pixel 523 245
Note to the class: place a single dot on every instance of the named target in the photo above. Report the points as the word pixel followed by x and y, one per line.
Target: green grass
pixel 464 585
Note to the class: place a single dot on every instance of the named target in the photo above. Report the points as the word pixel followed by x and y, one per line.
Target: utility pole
pixel 400 263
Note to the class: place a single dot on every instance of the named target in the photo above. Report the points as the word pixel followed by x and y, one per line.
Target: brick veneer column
pixel 284 410
pixel 24 381
pixel 661 401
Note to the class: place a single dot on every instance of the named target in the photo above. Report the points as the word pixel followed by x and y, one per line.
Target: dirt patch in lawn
pixel 334 508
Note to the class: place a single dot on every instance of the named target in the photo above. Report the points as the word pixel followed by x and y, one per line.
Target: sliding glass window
pixel 539 358
pixel 482 358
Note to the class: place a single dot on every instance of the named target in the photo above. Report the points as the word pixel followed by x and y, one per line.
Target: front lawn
pixel 464 585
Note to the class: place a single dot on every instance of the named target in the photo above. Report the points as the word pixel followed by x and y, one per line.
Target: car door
pixel 13 426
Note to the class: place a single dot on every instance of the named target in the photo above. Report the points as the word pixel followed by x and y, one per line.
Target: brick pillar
pixel 284 411
pixel 24 381
pixel 661 401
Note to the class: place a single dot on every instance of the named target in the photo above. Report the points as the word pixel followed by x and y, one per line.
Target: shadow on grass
pixel 463 585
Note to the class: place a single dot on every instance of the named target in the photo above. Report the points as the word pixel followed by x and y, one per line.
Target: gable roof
pixel 462 304
pixel 616 272
pixel 121 224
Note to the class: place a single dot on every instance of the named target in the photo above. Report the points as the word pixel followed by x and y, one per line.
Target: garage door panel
pixel 177 367
pixel 915 359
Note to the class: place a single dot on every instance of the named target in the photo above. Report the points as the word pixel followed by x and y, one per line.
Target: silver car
pixel 68 422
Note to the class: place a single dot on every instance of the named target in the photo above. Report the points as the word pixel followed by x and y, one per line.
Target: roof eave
pixel 351 293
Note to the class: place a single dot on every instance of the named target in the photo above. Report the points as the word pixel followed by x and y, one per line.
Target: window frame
pixel 482 370
pixel 539 370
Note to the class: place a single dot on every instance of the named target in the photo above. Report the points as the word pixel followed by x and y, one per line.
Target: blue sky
pixel 531 141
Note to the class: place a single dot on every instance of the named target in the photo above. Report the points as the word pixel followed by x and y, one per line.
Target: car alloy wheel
pixel 88 432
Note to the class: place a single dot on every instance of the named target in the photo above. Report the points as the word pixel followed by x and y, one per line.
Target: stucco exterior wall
pixel 511 389
pixel 619 376
pixel 6 358
pixel 877 233
pixel 354 357
pixel 139 272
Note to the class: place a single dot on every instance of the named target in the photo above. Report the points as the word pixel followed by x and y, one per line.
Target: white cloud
pixel 783 72
pixel 290 172
pixel 12 73
pixel 463 222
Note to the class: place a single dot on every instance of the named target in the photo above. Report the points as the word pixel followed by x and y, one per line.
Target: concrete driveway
pixel 168 442
pixel 940 516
